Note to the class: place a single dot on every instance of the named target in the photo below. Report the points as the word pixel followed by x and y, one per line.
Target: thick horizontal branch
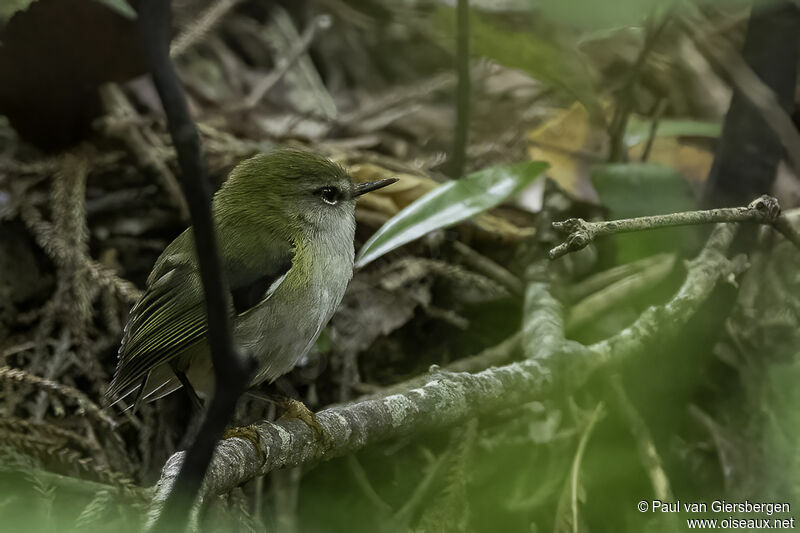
pixel 445 398
pixel 764 210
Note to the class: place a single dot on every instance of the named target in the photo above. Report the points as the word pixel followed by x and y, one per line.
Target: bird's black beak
pixel 369 186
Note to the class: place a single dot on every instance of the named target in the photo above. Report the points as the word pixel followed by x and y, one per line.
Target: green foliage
pixel 640 189
pixel 530 45
pixel 590 14
pixel 33 499
pixel 450 511
pixel 448 204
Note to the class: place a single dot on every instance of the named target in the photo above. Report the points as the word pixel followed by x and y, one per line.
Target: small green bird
pixel 285 226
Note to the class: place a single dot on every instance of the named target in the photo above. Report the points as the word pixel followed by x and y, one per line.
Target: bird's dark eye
pixel 329 195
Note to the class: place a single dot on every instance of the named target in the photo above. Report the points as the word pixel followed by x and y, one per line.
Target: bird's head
pixel 290 188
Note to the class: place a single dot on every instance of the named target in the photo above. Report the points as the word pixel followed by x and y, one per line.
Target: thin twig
pixel 371 114
pixel 136 138
pixel 489 268
pixel 764 210
pixel 320 22
pixel 201 26
pixel 597 282
pixel 231 372
pixel 609 298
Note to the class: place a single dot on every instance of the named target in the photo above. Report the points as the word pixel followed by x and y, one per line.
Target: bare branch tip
pixel 768 207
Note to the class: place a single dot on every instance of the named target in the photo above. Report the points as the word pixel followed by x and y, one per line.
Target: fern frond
pixel 84 403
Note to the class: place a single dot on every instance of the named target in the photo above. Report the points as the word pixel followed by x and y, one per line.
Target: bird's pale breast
pixel 283 328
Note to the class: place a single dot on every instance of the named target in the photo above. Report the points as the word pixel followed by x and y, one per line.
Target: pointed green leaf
pixel 449 204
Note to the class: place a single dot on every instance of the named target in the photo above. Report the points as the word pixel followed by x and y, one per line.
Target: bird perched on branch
pixel 285 224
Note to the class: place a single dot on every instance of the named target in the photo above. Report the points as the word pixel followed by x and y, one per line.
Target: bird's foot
pixel 296 409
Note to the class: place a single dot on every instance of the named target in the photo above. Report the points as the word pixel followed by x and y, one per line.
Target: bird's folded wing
pixel 169 318
pixel 171 315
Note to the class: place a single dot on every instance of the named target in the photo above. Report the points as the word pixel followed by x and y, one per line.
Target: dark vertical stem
pixel 231 372
pixel 459 156
pixel 749 150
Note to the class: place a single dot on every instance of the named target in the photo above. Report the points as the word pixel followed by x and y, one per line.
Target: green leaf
pixel 640 189
pixel 449 204
pixel 638 129
pixel 591 14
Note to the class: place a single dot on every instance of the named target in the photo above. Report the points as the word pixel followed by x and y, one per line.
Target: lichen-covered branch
pixel 443 399
pixel 665 321
pixel 788 230
pixel 610 297
pixel 446 398
pixel 764 210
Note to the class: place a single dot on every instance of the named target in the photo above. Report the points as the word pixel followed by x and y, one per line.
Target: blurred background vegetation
pixel 626 102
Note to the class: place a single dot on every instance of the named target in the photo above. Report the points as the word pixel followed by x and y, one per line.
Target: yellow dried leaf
pixel 693 162
pixel 571 144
